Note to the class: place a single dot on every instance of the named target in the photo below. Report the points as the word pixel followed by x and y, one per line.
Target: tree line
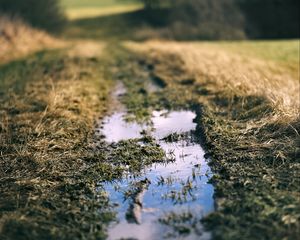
pixel 256 18
pixel 186 19
pixel 44 14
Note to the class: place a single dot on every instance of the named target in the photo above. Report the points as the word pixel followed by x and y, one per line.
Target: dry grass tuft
pixel 18 39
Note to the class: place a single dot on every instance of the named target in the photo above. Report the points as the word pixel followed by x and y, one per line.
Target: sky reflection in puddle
pixel 177 187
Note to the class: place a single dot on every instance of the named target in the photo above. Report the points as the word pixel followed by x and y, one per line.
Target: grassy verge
pixel 49 102
pixel 251 136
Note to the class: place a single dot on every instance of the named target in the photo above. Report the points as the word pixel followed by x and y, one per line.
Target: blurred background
pixel 167 19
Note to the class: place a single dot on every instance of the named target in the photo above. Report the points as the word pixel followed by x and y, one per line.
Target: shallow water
pixel 178 187
pixel 116 129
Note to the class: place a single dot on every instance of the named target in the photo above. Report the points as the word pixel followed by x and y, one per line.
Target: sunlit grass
pixel 76 9
pixel 285 52
pixel 90 12
pixel 242 68
pixel 95 3
pixel 280 50
pixel 16 39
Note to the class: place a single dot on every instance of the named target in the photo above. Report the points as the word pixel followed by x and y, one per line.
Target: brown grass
pixel 18 39
pixel 48 104
pixel 235 73
pixel 86 49
pixel 248 117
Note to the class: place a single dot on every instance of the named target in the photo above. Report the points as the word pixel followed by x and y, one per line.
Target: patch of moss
pixel 134 155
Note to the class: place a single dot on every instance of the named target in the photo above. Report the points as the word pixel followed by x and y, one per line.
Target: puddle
pixel 179 188
pixel 116 129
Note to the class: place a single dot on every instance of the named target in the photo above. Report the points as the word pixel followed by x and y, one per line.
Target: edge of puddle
pixel 147 220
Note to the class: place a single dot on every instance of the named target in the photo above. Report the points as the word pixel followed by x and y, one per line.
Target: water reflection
pixel 116 129
pixel 144 202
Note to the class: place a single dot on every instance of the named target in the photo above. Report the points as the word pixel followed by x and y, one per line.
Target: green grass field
pixel 77 9
pixel 95 3
pixel 282 51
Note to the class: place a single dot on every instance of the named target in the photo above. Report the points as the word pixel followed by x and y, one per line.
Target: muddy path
pixel 166 197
